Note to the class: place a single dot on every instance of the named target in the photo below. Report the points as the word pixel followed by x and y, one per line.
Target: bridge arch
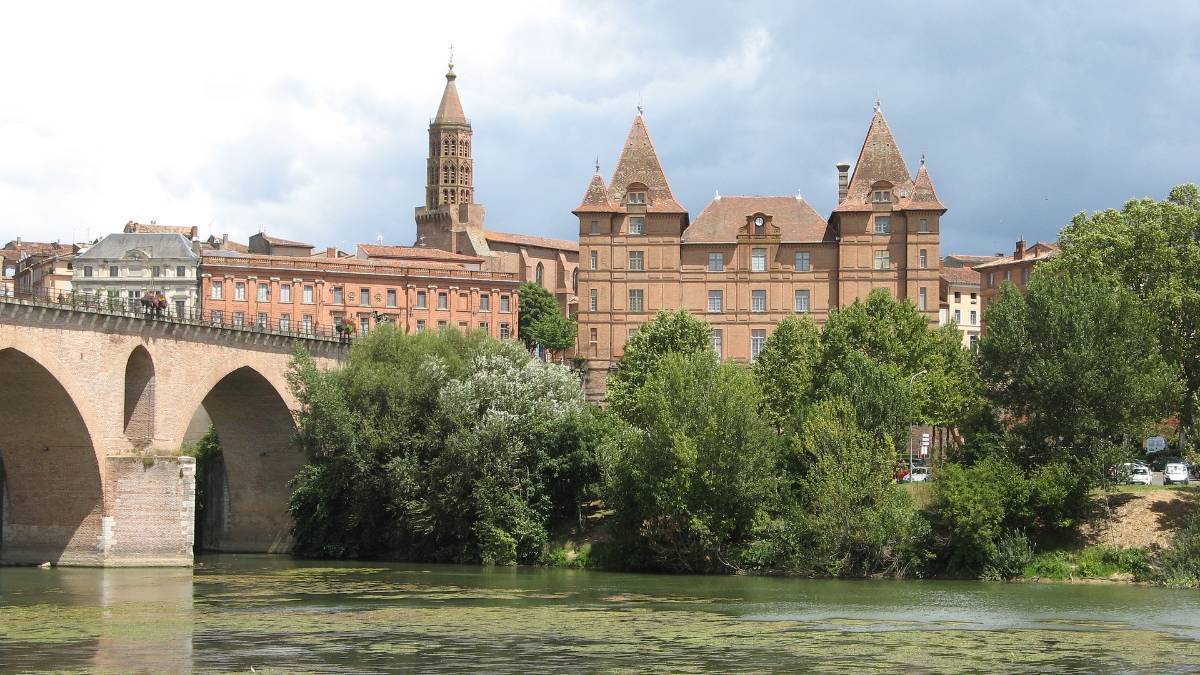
pixel 53 487
pixel 246 492
pixel 139 397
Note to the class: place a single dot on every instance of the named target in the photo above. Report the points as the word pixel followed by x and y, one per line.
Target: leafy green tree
pixel 1072 365
pixel 534 303
pixel 554 332
pixel 1151 248
pixel 785 367
pixel 669 332
pixel 696 472
pixel 878 394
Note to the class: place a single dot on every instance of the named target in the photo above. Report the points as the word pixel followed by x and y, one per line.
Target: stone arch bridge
pixel 94 409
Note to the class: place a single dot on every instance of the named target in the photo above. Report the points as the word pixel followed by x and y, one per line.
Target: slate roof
pixel 879 160
pixel 115 246
pixel 724 216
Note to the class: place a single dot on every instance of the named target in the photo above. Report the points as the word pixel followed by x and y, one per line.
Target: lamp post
pixel 911 383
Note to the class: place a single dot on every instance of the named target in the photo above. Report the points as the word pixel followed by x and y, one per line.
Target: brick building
pixel 747 262
pixel 451 220
pixel 313 294
pixel 1015 268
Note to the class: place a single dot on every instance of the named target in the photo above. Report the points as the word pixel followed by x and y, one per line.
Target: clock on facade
pixel 759 221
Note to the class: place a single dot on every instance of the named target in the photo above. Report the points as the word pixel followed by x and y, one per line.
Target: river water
pixel 233 613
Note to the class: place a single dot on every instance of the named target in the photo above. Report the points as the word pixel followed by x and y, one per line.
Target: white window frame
pixel 594 260
pixel 593 300
pixel 803 261
pixel 804 307
pixel 640 258
pixel 637 300
pixel 923 259
pixel 718 296
pixel 883 224
pixel 883 260
pixel 637 225
pixel 758 300
pixel 217 290
pixel 758 260
pixel 758 340
pixel 716 261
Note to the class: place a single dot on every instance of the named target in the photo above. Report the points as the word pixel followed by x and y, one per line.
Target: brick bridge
pixel 94 408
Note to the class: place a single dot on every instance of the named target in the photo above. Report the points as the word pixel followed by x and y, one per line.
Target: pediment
pixel 136 254
pixel 751 228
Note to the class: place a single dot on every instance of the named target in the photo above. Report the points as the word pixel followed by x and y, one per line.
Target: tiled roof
pixel 879 160
pixel 639 164
pixel 321 262
pixel 960 276
pixel 414 253
pixel 155 228
pixel 923 197
pixel 40 247
pixel 724 216
pixel 1039 251
pixel 529 240
pixel 277 241
pixel 596 199
pixel 970 260
pixel 227 244
pixel 450 110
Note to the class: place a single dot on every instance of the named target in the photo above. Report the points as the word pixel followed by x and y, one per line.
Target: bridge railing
pixel 153 309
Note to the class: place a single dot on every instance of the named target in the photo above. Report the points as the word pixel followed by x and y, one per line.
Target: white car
pixel 1139 475
pixel 919 474
pixel 1175 472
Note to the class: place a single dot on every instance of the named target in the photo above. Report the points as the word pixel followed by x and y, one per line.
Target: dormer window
pixel 636 198
pixel 883 196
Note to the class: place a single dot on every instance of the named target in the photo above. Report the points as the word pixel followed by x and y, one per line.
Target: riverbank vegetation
pixel 452 447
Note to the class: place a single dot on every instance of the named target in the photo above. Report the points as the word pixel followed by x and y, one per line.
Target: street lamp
pixel 911 383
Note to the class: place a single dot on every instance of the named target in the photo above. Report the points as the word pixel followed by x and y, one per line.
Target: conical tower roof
pixel 450 110
pixel 595 200
pixel 639 164
pixel 879 160
pixel 923 197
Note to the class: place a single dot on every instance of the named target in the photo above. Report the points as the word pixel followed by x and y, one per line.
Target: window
pixel 339 295
pixel 308 295
pixel 485 302
pixel 285 292
pixel 922 299
pixel 883 260
pixel 593 300
pixel 637 261
pixel 758 338
pixel 483 326
pixel 216 317
pixel 538 273
pixel 218 289
pixel 802 261
pixel 594 260
pixel 923 225
pixel 883 225
pixel 636 300
pixel 504 332
pixel 1025 276
pixel 637 225
pixel 974 317
pixel 364 324
pixel 716 262
pixel 421 300
pixel 716 339
pixel 923 259
pixel 307 323
pixel 262 320
pixel 758 301
pixel 285 322
pixel 87 270
pixel 180 271
pixel 264 292
pixel 156 271
pixel 882 196
pixel 443 300
pixel 420 325
pixel 505 305
pixel 391 297
pixel 758 260
pixel 958 296
pixel 113 271
pixel 180 308
pixel 575 281
pixel 974 342
pixel 958 316
pixel 595 229
pixel 802 301
pixel 637 198
pixel 1008 275
pixel 364 297
pixel 239 290
pixel 716 301
pixel 239 319
pixel 593 335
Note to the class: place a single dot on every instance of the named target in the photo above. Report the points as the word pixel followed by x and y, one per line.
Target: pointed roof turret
pixel 639 164
pixel 595 200
pixel 923 197
pixel 879 160
pixel 450 111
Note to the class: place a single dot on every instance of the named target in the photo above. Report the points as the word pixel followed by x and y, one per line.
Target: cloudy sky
pixel 309 120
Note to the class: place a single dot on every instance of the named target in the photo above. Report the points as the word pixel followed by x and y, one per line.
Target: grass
pixel 921 493
pixel 1093 562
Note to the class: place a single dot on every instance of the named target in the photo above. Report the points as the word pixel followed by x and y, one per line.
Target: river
pixel 233 613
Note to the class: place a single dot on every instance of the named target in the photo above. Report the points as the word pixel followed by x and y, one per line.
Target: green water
pixel 274 614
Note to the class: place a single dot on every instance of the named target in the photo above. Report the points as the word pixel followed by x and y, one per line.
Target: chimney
pixel 1019 253
pixel 224 238
pixel 331 252
pixel 843 180
pixel 195 232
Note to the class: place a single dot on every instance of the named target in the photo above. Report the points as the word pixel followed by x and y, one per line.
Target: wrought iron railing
pixel 152 308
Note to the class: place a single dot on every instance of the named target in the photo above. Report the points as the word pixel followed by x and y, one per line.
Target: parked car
pixel 1139 474
pixel 919 474
pixel 1175 472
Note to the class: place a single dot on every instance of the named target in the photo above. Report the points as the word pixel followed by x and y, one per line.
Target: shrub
pixel 1179 565
pixel 1012 554
pixel 971 507
pixel 1052 565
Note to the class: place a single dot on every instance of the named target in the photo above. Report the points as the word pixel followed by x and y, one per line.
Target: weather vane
pixel 451 64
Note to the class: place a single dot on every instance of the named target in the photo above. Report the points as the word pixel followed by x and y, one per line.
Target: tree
pixel 1151 248
pixel 878 395
pixel 784 369
pixel 669 332
pixel 697 470
pixel 553 332
pixel 1072 365
pixel 533 303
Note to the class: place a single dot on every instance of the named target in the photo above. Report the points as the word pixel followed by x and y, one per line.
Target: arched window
pixel 539 273
pixel 453 174
pixel 466 148
pixel 464 171
pixel 462 197
pixel 575 281
pixel 446 173
pixel 446 146
pixel 445 196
